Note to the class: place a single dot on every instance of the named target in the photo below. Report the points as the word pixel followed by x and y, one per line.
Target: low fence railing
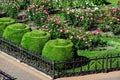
pixel 4 76
pixel 77 66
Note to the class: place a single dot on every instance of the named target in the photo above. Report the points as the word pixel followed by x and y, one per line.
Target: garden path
pixel 115 75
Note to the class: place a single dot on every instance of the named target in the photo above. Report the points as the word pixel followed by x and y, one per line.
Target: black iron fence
pixel 77 66
pixel 4 76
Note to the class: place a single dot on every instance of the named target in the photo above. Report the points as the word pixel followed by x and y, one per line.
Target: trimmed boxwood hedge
pixel 14 32
pixel 2 27
pixel 35 40
pixel 7 20
pixel 58 50
pixel 3 24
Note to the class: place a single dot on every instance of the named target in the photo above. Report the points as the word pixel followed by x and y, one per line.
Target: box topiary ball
pixel 3 24
pixel 58 50
pixel 14 32
pixel 35 40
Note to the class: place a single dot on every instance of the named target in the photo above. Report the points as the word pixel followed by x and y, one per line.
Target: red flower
pixel 98 31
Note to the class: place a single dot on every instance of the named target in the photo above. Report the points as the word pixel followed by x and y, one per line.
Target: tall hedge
pixel 35 40
pixel 58 50
pixel 15 32
pixel 3 24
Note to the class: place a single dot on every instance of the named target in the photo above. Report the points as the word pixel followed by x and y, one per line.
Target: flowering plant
pixel 38 14
pixel 55 27
pixel 82 40
pixel 86 40
pixel 11 8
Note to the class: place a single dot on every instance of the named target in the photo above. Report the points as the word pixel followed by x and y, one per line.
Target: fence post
pixel 117 65
pixel 103 63
pixel 53 70
pixel 81 60
pixel 110 61
pixel 106 68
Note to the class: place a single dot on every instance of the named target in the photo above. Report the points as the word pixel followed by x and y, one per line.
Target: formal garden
pixel 62 37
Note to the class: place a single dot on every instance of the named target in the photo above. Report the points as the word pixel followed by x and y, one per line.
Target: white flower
pixel 96 8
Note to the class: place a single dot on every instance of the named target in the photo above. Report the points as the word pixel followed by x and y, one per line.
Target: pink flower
pixel 42 6
pixel 58 20
pixel 37 12
pixel 114 10
pixel 46 26
pixel 37 9
pixel 28 9
pixel 61 30
pixel 45 11
pixel 32 6
pixel 118 20
pixel 109 7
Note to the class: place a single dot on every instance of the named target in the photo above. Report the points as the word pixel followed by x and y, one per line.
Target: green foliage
pixel 23 3
pixel 114 23
pixel 11 8
pixel 98 2
pixel 2 27
pixel 114 2
pixel 115 29
pixel 35 40
pixel 3 23
pixel 112 48
pixel 14 32
pixel 36 13
pixel 58 50
pixel 7 20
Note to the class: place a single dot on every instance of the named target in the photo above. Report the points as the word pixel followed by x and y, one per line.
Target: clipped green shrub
pixel 14 32
pixel 2 27
pixel 35 40
pixel 3 24
pixel 58 50
pixel 7 20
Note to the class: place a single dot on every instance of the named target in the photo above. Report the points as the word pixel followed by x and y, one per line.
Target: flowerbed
pixel 79 23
